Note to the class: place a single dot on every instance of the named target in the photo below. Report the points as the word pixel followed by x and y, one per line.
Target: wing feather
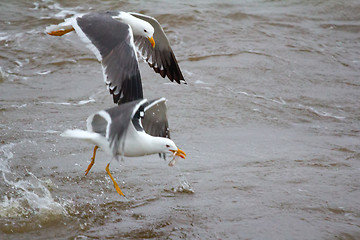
pixel 161 58
pixel 155 122
pixel 114 40
pixel 121 116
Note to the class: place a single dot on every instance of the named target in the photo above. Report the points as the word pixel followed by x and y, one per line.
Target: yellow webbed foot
pixel 115 183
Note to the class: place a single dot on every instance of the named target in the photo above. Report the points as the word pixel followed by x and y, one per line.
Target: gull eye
pixel 145 30
pixel 167 146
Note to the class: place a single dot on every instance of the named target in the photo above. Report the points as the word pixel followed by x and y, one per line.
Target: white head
pixel 166 145
pixel 138 26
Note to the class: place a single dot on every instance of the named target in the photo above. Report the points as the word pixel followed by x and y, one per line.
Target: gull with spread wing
pixel 131 129
pixel 116 38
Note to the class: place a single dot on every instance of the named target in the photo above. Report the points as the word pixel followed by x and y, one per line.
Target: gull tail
pixel 91 137
pixel 79 134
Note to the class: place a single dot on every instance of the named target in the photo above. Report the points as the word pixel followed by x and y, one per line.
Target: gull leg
pixel 92 161
pixel 115 183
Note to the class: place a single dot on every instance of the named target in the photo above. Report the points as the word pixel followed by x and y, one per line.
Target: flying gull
pixel 117 38
pixel 131 129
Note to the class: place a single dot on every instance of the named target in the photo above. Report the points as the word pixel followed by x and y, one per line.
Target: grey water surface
pixel 270 122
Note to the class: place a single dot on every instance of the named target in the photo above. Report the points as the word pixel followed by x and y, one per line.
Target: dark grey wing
pixel 161 58
pixel 98 123
pixel 155 122
pixel 121 116
pixel 113 40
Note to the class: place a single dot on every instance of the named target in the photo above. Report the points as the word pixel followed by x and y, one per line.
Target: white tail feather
pixel 79 134
pixel 90 137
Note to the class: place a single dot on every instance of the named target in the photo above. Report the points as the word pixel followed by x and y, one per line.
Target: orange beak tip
pixel 179 153
pixel 152 41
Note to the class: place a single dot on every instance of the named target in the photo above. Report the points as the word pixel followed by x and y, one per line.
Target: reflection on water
pixel 269 120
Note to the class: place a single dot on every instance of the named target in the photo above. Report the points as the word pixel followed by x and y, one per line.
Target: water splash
pixel 184 185
pixel 26 204
pixel 28 197
pixel 5 150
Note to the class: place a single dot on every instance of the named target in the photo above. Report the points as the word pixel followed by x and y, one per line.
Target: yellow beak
pixel 152 41
pixel 179 153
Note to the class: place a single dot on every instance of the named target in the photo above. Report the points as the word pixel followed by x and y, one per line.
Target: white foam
pixel 320 113
pixel 64 13
pixel 3 74
pixel 3 36
pixel 45 72
pixel 19 106
pixel 58 103
pixel 199 82
pixel 81 102
pixel 5 150
pixel 280 100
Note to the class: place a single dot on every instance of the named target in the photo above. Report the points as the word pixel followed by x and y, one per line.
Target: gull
pixel 116 38
pixel 131 129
